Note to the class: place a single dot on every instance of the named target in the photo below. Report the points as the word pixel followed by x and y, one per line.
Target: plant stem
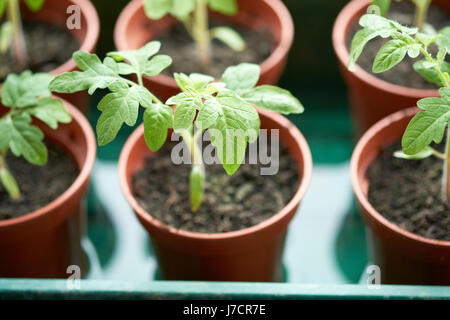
pixel 6 178
pixel 201 34
pixel 446 189
pixel 18 45
pixel 197 176
pixel 421 12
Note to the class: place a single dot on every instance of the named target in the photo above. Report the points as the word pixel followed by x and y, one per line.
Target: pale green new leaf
pixel 51 112
pixel 444 41
pixel 390 54
pixel 425 153
pixel 224 6
pixel 230 37
pixel 117 108
pixel 429 73
pixel 94 75
pixel 23 139
pixel 34 5
pixel 182 8
pixel 156 9
pixel 274 99
pixel 185 114
pixel 429 125
pixel 156 65
pixel 157 120
pixel 242 77
pixel 24 90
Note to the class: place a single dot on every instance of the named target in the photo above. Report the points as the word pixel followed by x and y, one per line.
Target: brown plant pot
pixel 252 254
pixel 371 99
pixel 43 243
pixel 55 12
pixel 134 29
pixel 403 257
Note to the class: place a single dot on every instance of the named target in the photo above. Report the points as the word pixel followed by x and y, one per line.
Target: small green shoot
pixel 11 31
pixel 223 108
pixel 430 124
pixel 26 96
pixel 193 14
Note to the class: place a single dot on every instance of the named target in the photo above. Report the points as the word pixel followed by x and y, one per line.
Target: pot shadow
pixel 101 231
pixel 350 245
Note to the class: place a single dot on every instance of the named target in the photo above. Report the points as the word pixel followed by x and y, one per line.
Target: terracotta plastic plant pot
pixel 54 12
pixel 403 257
pixel 134 29
pixel 371 99
pixel 43 243
pixel 252 254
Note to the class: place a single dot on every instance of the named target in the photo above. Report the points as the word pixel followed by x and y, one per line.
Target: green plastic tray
pixel 325 254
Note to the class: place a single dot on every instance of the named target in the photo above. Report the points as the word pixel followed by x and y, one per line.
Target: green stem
pixel 197 176
pixel 421 12
pixel 7 179
pixel 446 189
pixel 201 33
pixel 18 42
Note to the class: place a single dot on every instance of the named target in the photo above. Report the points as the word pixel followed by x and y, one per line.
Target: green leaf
pixel 185 114
pixel 157 120
pixel 273 99
pixel 117 108
pixel 156 9
pixel 182 8
pixel 2 7
pixel 95 75
pixel 242 77
pixel 224 6
pixel 360 40
pixel 390 54
pixel 384 6
pixel 208 113
pixel 34 5
pixel 444 41
pixel 425 153
pixel 193 83
pixel 229 37
pixel 6 36
pixel 429 125
pixel 24 90
pixel 236 118
pixel 429 73
pixel 23 139
pixel 139 59
pixel 9 183
pixel 50 111
pixel 156 65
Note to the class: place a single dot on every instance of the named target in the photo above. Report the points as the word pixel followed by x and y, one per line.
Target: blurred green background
pixel 312 74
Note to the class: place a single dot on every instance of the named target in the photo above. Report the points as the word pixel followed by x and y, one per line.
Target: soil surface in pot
pixel 39 185
pixel 48 47
pixel 403 74
pixel 177 43
pixel 230 202
pixel 408 193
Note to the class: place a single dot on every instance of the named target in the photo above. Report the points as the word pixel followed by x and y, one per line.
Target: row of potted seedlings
pixel 227 221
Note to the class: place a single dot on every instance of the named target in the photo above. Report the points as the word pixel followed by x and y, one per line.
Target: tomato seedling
pixel 430 124
pixel 223 108
pixel 11 31
pixel 26 96
pixel 193 14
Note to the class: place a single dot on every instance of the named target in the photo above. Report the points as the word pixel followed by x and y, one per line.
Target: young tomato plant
pixel 26 96
pixel 194 16
pixel 430 124
pixel 223 108
pixel 422 7
pixel 11 31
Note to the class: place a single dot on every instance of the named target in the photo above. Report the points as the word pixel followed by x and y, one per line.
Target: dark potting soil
pixel 48 47
pixel 403 74
pixel 408 193
pixel 39 185
pixel 229 202
pixel 178 44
